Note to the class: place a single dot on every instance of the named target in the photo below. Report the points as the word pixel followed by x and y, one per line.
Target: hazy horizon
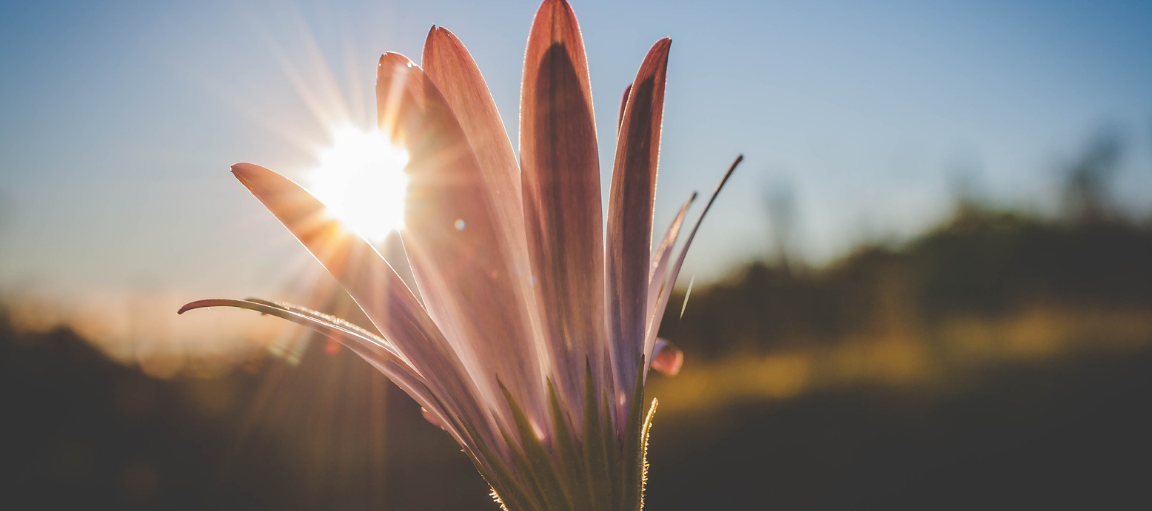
pixel 121 120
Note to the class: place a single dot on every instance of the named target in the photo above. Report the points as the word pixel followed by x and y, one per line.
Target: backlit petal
pixel 462 261
pixel 629 245
pixel 674 270
pixel 623 105
pixel 560 172
pixel 372 348
pixel 374 286
pixel 449 65
pixel 660 258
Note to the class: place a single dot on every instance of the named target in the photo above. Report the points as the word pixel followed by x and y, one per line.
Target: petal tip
pixel 662 48
pixel 243 168
pixel 393 57
pixel 439 37
pixel 403 59
pixel 243 172
pixel 437 31
pixel 198 304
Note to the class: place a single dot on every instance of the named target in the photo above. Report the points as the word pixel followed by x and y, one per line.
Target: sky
pixel 119 119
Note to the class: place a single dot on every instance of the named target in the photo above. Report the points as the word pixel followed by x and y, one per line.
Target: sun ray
pixel 361 181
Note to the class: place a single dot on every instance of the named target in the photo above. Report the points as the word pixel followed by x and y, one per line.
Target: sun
pixel 361 181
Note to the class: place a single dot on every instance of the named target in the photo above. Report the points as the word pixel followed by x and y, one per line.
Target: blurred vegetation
pixel 83 432
pixel 1000 360
pixel 983 264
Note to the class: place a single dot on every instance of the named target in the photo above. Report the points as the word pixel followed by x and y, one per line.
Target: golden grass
pixel 924 357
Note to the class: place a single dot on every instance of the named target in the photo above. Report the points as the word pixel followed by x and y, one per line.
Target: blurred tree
pixel 1086 189
pixel 781 204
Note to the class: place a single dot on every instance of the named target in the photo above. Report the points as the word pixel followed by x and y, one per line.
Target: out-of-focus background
pixel 929 285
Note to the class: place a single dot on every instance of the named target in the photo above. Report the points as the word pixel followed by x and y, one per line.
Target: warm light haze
pixel 360 178
pixel 927 285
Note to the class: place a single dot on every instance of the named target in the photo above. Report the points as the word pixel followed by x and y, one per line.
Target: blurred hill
pixel 998 361
pixel 982 264
pixel 83 432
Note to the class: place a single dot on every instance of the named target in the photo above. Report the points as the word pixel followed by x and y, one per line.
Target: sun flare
pixel 360 179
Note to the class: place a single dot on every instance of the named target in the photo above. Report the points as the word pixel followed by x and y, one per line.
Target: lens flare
pixel 361 181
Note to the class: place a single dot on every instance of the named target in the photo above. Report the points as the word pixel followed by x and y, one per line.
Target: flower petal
pixel 623 105
pixel 372 348
pixel 560 171
pixel 318 321
pixel 661 256
pixel 667 358
pixel 449 65
pixel 462 261
pixel 375 287
pixel 630 215
pixel 674 270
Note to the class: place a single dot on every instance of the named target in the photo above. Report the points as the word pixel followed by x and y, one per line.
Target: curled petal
pixel 372 348
pixel 318 321
pixel 667 358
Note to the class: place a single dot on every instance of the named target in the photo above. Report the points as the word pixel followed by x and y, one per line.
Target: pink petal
pixel 449 65
pixel 460 256
pixel 660 259
pixel 560 171
pixel 623 105
pixel 674 270
pixel 432 418
pixel 667 358
pixel 372 348
pixel 375 287
pixel 630 215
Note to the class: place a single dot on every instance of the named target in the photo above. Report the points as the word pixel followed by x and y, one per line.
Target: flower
pixel 531 344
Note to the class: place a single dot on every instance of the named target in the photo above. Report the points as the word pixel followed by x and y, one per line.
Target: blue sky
pixel 118 120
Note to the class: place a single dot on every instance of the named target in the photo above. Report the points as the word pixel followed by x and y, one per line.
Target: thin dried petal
pixel 630 215
pixel 674 270
pixel 661 256
pixel 560 172
pixel 462 261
